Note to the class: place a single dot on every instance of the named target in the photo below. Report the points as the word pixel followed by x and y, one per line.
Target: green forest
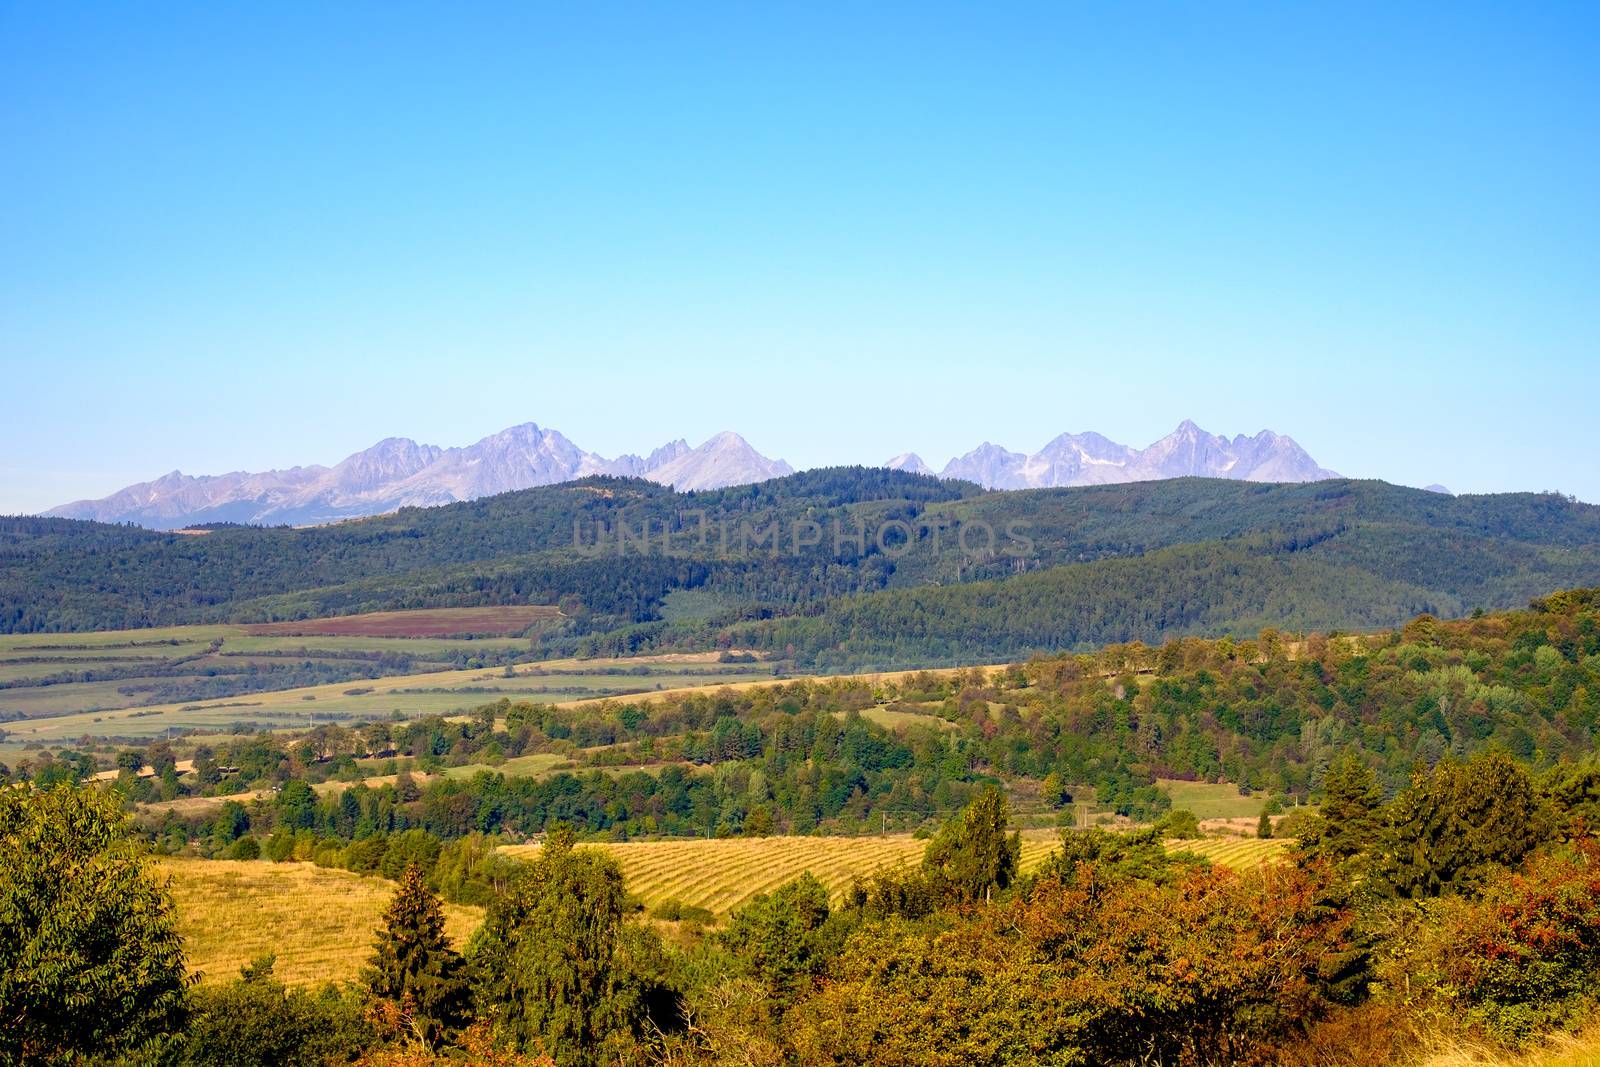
pixel 848 568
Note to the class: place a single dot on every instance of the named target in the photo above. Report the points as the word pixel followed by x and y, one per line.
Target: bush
pixel 1179 823
pixel 674 910
pixel 1520 959
pixel 1215 968
pixel 256 1021
pixel 246 848
pixel 280 846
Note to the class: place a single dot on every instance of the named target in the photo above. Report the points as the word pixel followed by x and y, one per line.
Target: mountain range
pixel 1093 459
pixel 398 472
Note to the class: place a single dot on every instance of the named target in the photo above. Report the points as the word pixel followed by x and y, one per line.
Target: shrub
pixel 256 1021
pixel 675 910
pixel 1179 823
pixel 1520 959
pixel 1214 968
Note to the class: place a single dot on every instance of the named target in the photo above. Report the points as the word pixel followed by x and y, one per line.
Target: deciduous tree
pixel 90 957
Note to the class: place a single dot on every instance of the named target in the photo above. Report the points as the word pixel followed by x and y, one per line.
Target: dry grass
pixel 319 922
pixel 720 875
pixel 1558 1050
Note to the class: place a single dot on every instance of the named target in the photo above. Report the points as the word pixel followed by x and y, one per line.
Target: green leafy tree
pixel 1097 858
pixel 1180 823
pixel 547 954
pixel 972 856
pixel 257 1021
pixel 778 938
pixel 90 957
pixel 414 967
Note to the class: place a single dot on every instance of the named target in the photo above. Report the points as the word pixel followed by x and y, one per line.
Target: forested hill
pixel 848 566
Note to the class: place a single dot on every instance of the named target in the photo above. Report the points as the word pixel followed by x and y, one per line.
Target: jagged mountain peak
pixel 1090 458
pixel 909 462
pixel 398 472
pixel 725 459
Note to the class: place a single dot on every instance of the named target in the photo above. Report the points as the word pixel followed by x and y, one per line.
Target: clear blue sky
pixel 244 236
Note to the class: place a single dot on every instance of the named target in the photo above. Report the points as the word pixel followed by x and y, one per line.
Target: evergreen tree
pixel 1264 825
pixel 972 856
pixel 414 966
pixel 1451 828
pixel 1348 822
pixel 777 937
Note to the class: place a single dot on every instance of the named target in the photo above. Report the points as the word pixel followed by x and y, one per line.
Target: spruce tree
pixel 1264 825
pixel 1452 827
pixel 414 967
pixel 972 856
pixel 1348 823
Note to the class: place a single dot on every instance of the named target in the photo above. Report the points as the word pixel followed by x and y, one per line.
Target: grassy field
pixel 1240 853
pixel 1210 800
pixel 532 765
pixel 720 875
pixel 319 922
pixel 898 718
pixel 422 622
pixel 407 695
pixel 44 674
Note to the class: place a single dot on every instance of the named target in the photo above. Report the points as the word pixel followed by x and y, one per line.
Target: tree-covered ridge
pixel 797 564
pixel 512 548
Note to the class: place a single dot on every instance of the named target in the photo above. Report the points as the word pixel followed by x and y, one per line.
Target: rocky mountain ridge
pixel 398 472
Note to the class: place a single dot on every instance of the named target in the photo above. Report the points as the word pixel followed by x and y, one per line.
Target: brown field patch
pixel 319 922
pixel 422 622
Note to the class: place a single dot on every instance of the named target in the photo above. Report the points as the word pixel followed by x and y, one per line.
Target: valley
pixel 741 707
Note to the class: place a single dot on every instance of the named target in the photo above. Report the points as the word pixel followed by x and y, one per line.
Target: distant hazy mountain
pixel 1091 459
pixel 909 461
pixel 726 459
pixel 397 473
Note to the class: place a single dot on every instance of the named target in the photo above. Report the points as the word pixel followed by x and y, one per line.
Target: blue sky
pixel 251 236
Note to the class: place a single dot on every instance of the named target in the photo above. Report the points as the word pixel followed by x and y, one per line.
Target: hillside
pixel 232 912
pixel 1128 731
pixel 851 567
